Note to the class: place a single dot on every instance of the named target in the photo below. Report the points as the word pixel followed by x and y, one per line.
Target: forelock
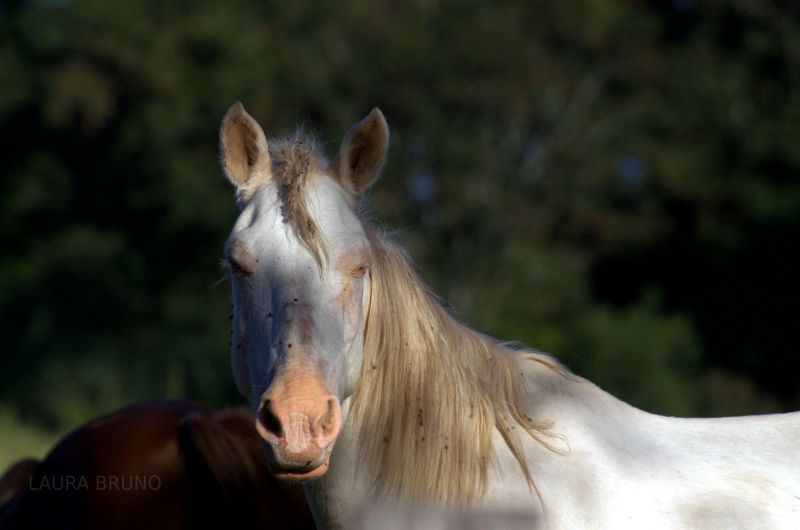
pixel 294 159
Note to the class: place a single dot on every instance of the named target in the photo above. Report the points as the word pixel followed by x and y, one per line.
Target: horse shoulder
pixel 626 468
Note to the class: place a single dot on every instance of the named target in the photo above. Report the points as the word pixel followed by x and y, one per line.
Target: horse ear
pixel 243 149
pixel 363 153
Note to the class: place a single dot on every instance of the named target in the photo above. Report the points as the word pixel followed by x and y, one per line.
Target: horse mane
pixel 432 391
pixel 294 159
pixel 221 441
pixel 225 458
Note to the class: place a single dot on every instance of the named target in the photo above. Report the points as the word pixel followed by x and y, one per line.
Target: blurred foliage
pixel 20 439
pixel 613 182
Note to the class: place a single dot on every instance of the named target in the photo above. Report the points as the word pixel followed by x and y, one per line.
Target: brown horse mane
pixel 223 445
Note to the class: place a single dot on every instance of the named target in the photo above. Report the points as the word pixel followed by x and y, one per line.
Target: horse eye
pixel 361 270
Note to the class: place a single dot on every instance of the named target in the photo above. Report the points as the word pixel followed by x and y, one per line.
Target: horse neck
pixel 431 392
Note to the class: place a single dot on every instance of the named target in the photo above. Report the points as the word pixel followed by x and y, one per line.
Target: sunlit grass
pixel 19 439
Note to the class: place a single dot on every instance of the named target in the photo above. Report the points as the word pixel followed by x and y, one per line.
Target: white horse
pixel 336 340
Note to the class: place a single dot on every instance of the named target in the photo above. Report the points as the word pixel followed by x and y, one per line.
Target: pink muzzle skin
pixel 299 420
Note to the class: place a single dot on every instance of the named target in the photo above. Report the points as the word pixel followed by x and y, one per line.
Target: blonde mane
pixel 294 159
pixel 432 391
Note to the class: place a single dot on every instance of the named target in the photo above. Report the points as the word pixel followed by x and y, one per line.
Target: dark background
pixel 613 182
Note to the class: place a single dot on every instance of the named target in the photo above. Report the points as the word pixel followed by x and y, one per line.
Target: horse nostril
pixel 328 418
pixel 269 420
pixel 329 422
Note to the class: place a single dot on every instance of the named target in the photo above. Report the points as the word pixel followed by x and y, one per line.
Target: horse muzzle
pixel 299 420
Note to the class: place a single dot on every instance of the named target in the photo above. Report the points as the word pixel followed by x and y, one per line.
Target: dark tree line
pixel 615 183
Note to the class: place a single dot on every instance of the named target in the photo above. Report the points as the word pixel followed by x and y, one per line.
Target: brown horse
pixel 170 465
